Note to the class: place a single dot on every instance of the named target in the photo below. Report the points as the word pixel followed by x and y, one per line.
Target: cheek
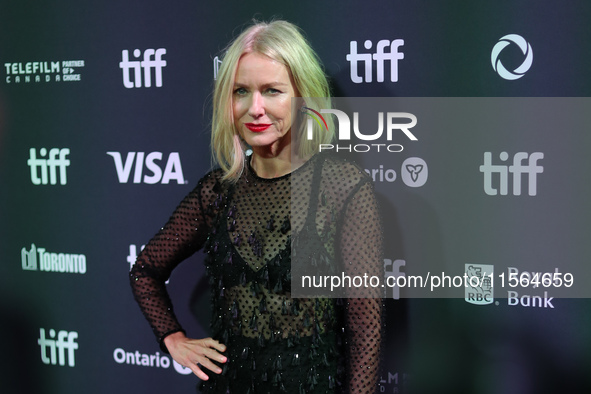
pixel 287 112
pixel 239 107
pixel 236 110
pixel 284 110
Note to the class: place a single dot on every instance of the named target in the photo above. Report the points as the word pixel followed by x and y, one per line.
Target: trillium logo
pixel 414 172
pixel 525 49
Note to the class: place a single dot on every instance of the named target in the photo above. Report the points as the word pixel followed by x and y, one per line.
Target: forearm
pixel 364 336
pixel 152 297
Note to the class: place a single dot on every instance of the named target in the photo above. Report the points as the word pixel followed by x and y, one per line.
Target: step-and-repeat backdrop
pixel 104 116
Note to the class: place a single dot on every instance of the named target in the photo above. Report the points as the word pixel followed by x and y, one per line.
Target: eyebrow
pixel 266 85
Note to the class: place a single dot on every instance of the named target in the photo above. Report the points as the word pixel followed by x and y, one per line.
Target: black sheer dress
pixel 324 212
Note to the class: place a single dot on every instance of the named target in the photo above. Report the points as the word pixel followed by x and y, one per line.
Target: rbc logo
pixel 147 65
pixel 57 348
pixel 532 169
pixel 172 171
pixel 479 287
pixel 57 159
pixel 380 57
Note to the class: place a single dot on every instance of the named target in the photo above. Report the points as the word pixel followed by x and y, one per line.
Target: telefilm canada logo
pixel 525 48
pixel 43 71
pixel 391 125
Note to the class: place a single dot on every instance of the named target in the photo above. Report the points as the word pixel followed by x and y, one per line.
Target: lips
pixel 257 127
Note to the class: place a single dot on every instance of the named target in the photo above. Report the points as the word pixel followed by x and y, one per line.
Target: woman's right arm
pixel 184 233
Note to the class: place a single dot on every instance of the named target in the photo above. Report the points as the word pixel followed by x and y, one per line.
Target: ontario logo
pixel 479 287
pixel 395 122
pixel 415 172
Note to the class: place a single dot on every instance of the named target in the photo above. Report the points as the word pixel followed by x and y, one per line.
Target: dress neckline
pixel 253 173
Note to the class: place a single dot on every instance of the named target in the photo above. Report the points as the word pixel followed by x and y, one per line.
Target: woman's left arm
pixel 361 253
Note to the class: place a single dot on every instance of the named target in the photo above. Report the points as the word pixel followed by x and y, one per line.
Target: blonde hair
pixel 283 42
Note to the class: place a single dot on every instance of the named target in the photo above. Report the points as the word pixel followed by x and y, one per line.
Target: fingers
pixel 197 371
pixel 212 350
pixel 204 362
pixel 215 344
pixel 197 354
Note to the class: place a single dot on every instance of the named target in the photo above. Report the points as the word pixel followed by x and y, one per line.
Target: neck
pixel 273 162
pixel 270 167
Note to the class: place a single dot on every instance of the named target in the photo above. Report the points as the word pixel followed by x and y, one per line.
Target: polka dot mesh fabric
pixel 325 212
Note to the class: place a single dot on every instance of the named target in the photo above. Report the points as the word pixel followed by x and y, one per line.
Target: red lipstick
pixel 257 127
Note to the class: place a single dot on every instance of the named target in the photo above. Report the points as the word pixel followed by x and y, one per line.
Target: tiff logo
pixel 41 168
pixel 516 169
pixel 380 56
pixel 217 63
pixel 57 348
pixel 147 64
pixel 131 259
pixel 392 268
pixel 133 255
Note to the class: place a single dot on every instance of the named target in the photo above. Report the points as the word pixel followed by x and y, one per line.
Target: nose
pixel 257 106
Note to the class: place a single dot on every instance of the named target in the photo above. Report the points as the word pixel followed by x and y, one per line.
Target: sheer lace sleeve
pixel 361 253
pixel 185 232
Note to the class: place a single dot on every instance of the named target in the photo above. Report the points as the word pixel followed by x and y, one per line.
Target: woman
pixel 249 216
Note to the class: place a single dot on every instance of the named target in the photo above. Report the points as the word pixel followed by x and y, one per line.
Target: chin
pixel 259 141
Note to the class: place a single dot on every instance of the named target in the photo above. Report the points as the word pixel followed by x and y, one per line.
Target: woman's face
pixel 261 103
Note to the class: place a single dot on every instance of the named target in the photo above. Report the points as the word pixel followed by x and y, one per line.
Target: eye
pixel 240 91
pixel 273 91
